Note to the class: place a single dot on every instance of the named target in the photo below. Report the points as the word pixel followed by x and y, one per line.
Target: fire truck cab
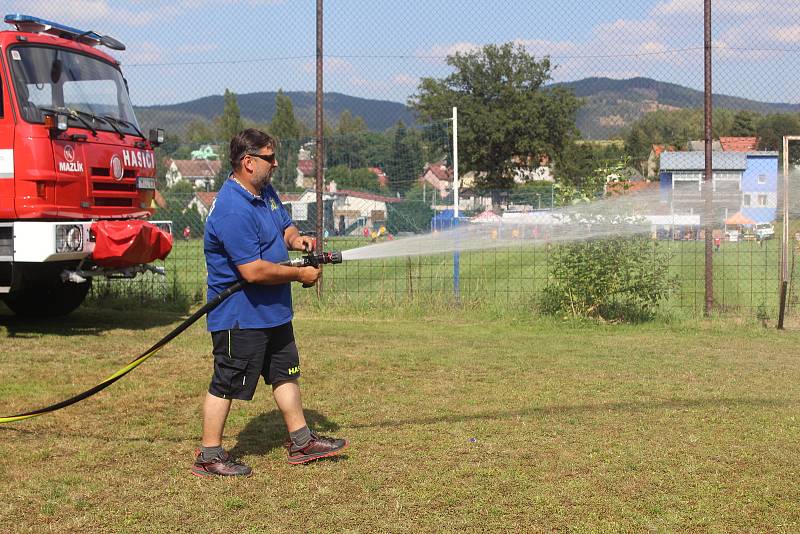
pixel 77 175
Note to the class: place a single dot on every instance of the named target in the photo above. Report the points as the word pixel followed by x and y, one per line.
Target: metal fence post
pixel 456 254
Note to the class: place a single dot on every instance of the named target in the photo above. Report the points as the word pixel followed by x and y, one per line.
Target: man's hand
pixel 308 276
pixel 303 243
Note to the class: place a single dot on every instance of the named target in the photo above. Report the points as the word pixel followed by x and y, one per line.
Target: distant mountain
pixel 260 107
pixel 611 105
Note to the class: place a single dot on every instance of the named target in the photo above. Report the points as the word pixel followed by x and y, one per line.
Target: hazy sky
pixel 184 49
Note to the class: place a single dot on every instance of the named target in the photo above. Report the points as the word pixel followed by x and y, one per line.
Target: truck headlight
pixel 69 238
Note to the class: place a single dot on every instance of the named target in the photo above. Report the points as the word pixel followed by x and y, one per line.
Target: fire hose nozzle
pixel 314 260
pixel 311 259
pixel 331 257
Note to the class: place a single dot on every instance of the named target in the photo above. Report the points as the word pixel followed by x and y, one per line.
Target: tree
pixel 284 124
pixel 346 144
pixel 419 192
pixel 345 149
pixel 409 216
pixel 198 132
pixel 350 125
pixel 772 128
pixel 436 141
pixel 575 168
pixel 228 125
pixel 744 123
pixel 505 113
pixel 405 163
pixel 355 179
pixel 678 127
pixel 377 149
pixel 288 130
pixel 182 188
pixel 230 122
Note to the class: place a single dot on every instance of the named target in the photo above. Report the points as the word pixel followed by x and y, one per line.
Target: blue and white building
pixel 742 181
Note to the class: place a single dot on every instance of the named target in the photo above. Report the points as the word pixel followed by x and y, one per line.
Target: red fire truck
pixel 77 175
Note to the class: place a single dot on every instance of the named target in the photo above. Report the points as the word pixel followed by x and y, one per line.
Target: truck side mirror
pixel 156 136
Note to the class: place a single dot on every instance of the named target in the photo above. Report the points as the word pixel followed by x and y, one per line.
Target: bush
pixel 409 216
pixel 612 279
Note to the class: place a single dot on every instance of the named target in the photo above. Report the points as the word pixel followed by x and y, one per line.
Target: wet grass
pixel 458 422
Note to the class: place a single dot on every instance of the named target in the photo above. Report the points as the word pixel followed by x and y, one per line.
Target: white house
pixel 439 176
pixel 201 173
pixel 368 209
pixel 306 169
pixel 202 202
pixel 542 173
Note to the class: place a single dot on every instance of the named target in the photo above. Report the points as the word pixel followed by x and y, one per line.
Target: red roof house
pixel 739 144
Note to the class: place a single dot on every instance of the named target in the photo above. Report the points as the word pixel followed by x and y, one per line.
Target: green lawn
pixel 457 423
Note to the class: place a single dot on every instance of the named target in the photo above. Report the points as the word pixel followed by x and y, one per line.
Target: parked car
pixel 764 231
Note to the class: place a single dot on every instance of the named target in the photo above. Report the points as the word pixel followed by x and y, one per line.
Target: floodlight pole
pixel 456 254
pixel 320 161
pixel 709 177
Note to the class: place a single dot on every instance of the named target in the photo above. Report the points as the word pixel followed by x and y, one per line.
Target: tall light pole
pixel 709 177
pixel 320 161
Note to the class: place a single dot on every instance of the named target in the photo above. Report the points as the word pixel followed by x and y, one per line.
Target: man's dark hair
pixel 248 141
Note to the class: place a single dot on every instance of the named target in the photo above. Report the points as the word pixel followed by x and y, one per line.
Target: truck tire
pixel 51 300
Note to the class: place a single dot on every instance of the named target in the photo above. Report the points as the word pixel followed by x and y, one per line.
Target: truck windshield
pixel 55 78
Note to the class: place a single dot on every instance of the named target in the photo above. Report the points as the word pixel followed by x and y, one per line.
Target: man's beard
pixel 261 181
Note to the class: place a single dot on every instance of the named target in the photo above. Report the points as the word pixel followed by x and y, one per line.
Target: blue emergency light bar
pixel 26 23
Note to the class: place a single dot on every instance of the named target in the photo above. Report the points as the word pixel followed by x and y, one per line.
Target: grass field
pixel 746 278
pixel 457 423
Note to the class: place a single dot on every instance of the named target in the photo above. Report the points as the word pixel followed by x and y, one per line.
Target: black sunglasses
pixel 269 159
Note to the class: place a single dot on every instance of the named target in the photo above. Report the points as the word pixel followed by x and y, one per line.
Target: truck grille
pixel 106 171
pixel 107 192
pixel 100 186
pixel 117 202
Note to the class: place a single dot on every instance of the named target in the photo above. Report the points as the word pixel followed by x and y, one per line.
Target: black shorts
pixel 241 356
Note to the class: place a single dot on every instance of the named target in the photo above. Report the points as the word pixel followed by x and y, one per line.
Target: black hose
pixel 210 305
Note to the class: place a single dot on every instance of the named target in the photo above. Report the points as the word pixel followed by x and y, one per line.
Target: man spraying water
pixel 248 236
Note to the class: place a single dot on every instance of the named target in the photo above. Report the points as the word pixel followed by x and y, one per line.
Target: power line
pixel 218 62
pixel 439 57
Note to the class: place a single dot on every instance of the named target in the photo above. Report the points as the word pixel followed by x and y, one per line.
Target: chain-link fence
pixel 556 102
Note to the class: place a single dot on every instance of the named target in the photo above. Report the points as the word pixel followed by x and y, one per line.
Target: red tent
pixel 487 216
pixel 738 219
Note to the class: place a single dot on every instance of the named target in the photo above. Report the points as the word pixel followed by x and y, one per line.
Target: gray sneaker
pixel 223 465
pixel 318 447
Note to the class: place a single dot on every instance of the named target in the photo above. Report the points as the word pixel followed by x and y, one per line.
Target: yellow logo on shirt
pixel 273 206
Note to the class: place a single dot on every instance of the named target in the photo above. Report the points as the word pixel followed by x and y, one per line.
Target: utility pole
pixel 709 177
pixel 320 161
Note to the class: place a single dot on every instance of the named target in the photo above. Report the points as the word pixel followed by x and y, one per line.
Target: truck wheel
pixel 54 300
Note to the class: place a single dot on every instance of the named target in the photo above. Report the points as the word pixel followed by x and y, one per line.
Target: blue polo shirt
pixel 241 228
